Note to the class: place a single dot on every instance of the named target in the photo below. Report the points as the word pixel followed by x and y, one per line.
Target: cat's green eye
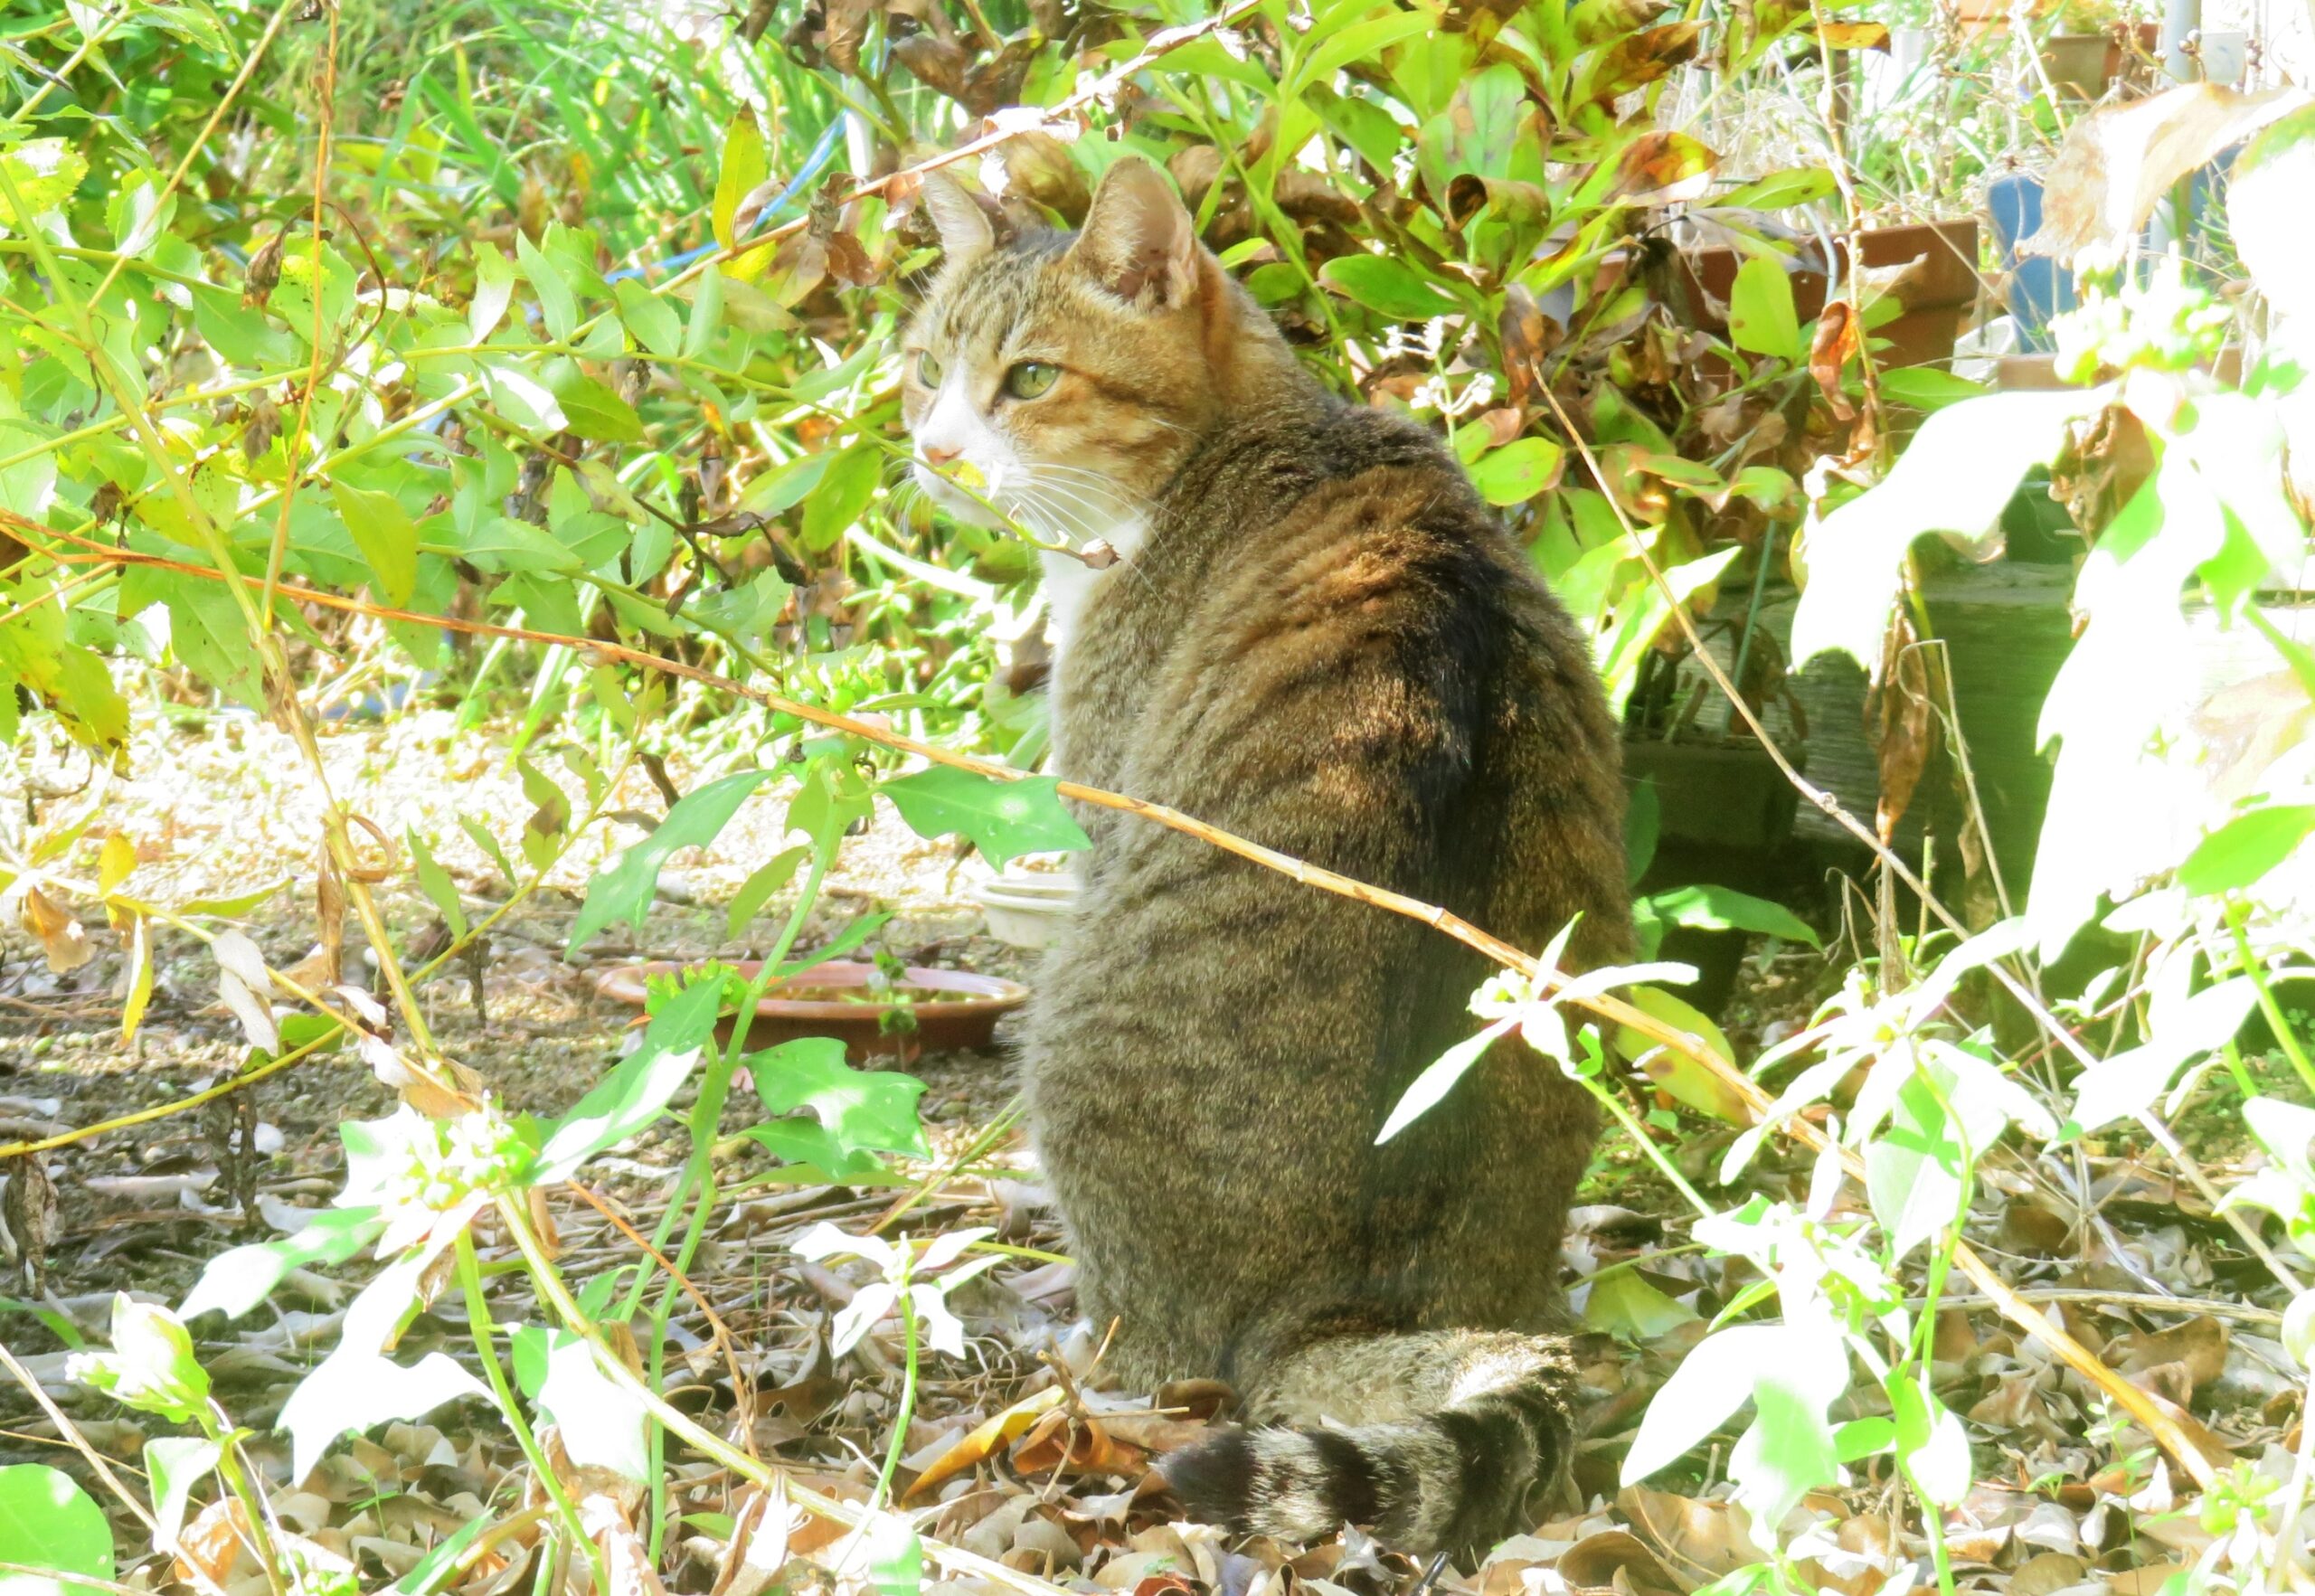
pixel 1031 379
pixel 927 368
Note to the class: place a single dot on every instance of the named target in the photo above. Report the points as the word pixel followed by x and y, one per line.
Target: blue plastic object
pixel 2038 290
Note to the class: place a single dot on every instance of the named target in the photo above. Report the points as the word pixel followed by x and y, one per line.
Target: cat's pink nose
pixel 937 458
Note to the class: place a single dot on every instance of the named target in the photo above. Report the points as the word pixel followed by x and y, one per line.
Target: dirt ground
pixel 217 805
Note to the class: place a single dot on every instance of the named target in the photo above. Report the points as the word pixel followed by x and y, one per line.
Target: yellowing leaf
pixel 1854 35
pixel 141 977
pixel 1691 1082
pixel 987 1438
pixel 115 861
pixel 744 166
pixel 43 172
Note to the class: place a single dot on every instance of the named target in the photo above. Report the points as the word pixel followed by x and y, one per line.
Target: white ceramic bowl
pixel 1028 910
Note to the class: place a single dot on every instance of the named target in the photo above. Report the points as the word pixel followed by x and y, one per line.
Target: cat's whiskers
pixel 1076 519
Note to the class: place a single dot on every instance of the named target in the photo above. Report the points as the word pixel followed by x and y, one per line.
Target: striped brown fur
pixel 1323 640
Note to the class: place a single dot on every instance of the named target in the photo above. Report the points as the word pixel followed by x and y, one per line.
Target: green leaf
pixel 784 486
pixel 1003 818
pixel 386 535
pixel 174 1464
pixel 151 1367
pixel 757 890
pixel 1719 908
pixel 556 300
pixel 48 1522
pixel 1926 388
pixel 504 543
pixel 2268 213
pixel 622 890
pixel 845 489
pixel 494 288
pixel 238 1280
pixel 437 1564
pixel 1706 1387
pixel 1862 1438
pixel 1760 318
pixel 1518 471
pixel 2239 853
pixel 706 313
pixel 1932 1446
pixel 745 165
pixel 1913 1170
pixel 523 396
pixel 436 883
pixel 840 946
pixel 1389 287
pixel 481 837
pixel 1643 824
pixel 1438 1079
pixel 1789 1451
pixel 1624 1305
pixel 895 1556
pixel 600 1424
pixel 243 337
pixel 36 651
pixel 628 1099
pixel 355 1388
pixel 1799 186
pixel 1956 476
pixel 810 1153
pixel 1481 132
pixel 865 1110
pixel 236 906
pixel 590 409
pixel 205 629
pixel 44 172
pixel 652 320
pixel 1360 40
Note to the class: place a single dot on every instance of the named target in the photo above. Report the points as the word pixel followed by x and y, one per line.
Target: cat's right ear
pixel 1138 241
pixel 957 217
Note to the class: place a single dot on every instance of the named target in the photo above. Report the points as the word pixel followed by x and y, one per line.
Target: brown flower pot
pixel 1991 16
pixel 1725 795
pixel 1937 301
pixel 2084 64
pixel 954 1009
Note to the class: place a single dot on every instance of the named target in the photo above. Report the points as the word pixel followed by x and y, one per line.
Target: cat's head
pixel 1073 372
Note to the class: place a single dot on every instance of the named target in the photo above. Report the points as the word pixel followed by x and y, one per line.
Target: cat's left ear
pixel 1139 243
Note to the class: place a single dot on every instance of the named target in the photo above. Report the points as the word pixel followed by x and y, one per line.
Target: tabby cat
pixel 1314 635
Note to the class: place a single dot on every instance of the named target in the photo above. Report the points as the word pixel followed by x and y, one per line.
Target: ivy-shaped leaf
pixel 1003 818
pixel 864 1111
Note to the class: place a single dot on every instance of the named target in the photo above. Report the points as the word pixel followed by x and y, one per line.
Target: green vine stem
pixel 480 1325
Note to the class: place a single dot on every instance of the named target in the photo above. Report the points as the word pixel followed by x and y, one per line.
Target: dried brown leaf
pixel 60 934
pixel 2200 1345
pixel 2119 161
pixel 1836 344
pixel 1618 1558
pixel 1699 1540
pixel 1906 726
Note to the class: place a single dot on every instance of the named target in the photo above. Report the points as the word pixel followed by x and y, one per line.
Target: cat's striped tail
pixel 1439 1439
